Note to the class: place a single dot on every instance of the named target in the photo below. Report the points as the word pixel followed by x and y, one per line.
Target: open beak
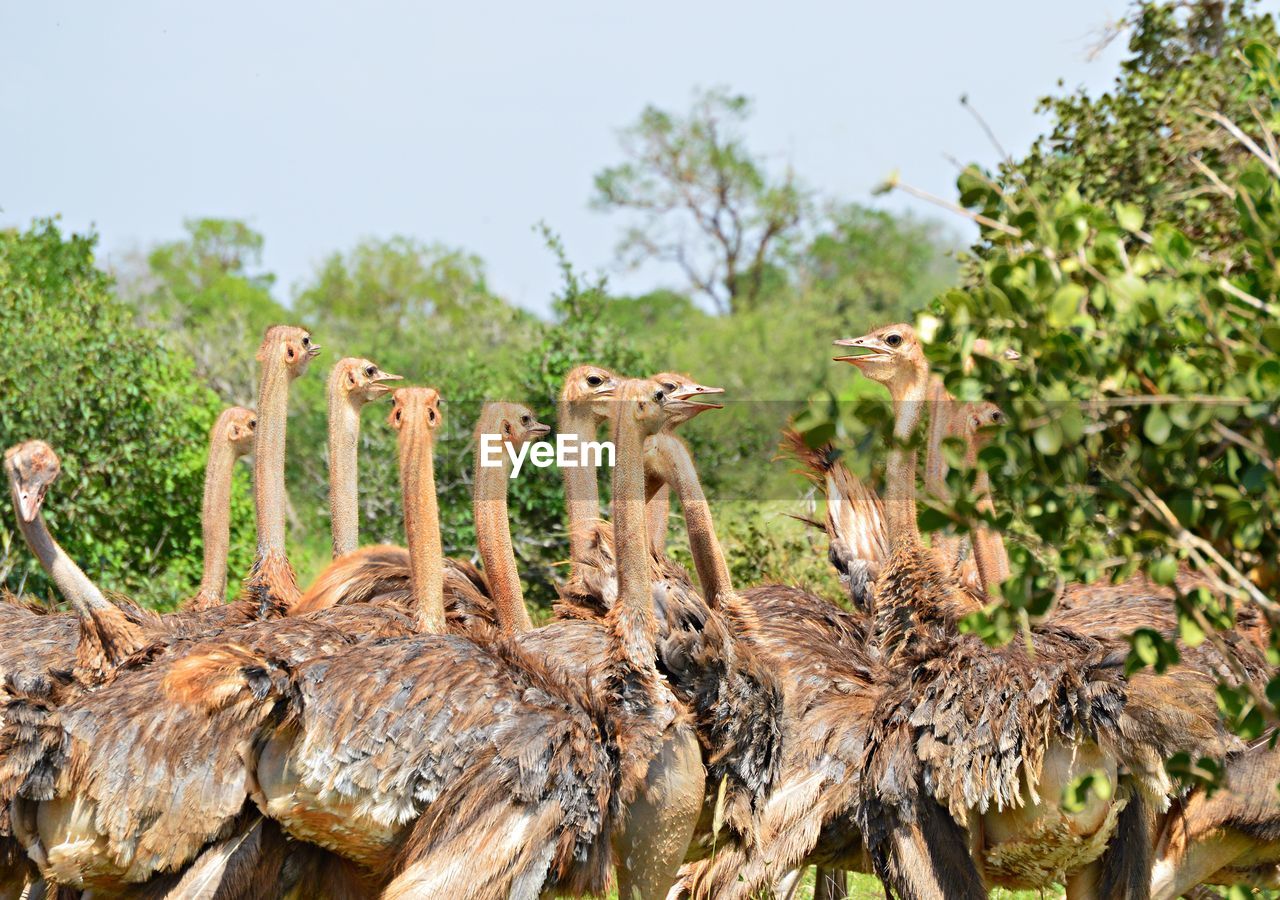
pixel 871 350
pixel 697 395
pixel 313 351
pixel 378 384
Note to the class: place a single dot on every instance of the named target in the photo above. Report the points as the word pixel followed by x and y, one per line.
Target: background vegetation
pixel 1130 255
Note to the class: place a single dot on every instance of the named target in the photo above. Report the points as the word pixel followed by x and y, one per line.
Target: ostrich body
pixel 412 753
pixel 999 732
pixel 707 648
pixel 377 574
pixel 122 785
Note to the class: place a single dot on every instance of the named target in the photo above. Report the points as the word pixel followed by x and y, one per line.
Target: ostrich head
pixel 291 344
pixel 889 355
pixel 237 426
pixel 32 466
pixel 649 403
pixel 983 418
pixel 590 385
pixel 516 423
pixel 416 404
pixel 686 397
pixel 361 381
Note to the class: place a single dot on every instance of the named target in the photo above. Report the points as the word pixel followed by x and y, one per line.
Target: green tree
pixel 127 416
pixel 388 286
pixel 1144 426
pixel 873 264
pixel 700 199
pixel 210 295
pixel 1152 141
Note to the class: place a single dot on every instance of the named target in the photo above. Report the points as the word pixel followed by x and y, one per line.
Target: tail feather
pixel 219 677
pixel 241 867
pixel 855 523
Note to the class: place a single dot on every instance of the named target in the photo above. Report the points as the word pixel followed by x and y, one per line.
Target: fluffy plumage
pixel 379 574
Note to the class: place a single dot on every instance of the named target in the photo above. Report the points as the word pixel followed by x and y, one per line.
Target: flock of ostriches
pixel 400 728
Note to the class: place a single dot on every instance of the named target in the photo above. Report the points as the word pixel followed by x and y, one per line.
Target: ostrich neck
pixel 940 426
pixel 900 477
pixel 216 517
pixel 493 537
pixel 344 496
pixel 658 512
pixel 269 458
pixel 422 526
pixel 581 488
pixel 989 555
pixel 70 580
pixel 633 626
pixel 708 557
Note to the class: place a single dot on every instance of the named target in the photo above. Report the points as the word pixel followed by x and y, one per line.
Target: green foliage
pixel 126 416
pixel 701 200
pixel 208 293
pixel 1143 420
pixel 1147 143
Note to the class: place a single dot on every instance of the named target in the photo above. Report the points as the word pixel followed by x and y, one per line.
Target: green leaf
pixel 1190 631
pixel 1048 438
pixel 1157 426
pixel 1064 305
pixel 1129 217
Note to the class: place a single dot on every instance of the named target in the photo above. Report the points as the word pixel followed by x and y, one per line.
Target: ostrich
pixel 230 439
pixel 583 408
pixel 377 574
pixel 949 419
pixel 1042 720
pixel 411 753
pixel 1223 837
pixel 707 648
pixel 80 807
pixel 352 384
pixel 658 492
pixel 515 425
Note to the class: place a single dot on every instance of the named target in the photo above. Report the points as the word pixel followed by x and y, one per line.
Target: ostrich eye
pixel 595 380
pixel 371 371
pixel 893 340
pixel 253 423
pixel 524 420
pixel 997 417
pixel 306 341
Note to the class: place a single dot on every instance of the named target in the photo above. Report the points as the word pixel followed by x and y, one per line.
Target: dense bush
pixel 128 418
pixel 1144 430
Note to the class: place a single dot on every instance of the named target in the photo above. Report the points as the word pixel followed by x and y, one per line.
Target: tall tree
pixel 700 199
pixel 209 292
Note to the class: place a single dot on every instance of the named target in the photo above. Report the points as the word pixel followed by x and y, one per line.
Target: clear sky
pixel 322 123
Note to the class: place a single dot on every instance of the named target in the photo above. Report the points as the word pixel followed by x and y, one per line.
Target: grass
pixel 868 887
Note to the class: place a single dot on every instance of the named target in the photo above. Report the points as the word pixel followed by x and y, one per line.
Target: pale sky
pixel 467 123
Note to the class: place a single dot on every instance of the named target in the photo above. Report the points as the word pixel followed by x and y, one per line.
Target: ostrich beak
pixel 696 395
pixel 378 384
pixel 313 351
pixel 30 500
pixel 537 430
pixel 873 350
